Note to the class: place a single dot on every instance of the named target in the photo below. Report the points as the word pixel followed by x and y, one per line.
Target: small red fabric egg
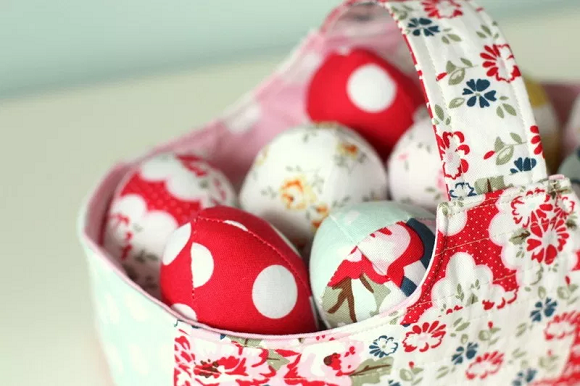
pixel 155 198
pixel 365 92
pixel 232 270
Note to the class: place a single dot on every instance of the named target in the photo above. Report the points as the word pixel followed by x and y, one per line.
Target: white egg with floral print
pixel 307 171
pixel 414 167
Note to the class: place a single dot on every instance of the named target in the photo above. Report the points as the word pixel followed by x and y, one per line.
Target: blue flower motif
pixel 393 383
pixel 525 377
pixel 383 346
pixel 424 25
pixel 523 165
pixel 462 189
pixel 476 88
pixel 548 307
pixel 469 351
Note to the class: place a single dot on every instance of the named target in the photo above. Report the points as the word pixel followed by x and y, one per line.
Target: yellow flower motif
pixel 321 212
pixel 536 92
pixel 348 149
pixel 296 193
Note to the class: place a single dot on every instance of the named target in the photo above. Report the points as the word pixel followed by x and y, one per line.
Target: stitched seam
pixel 319 301
pixel 436 273
pixel 193 234
pixel 267 245
pixel 423 42
pixel 506 200
pixel 484 315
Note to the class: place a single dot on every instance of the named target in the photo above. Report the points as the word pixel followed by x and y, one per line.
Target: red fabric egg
pixel 232 270
pixel 366 93
pixel 155 198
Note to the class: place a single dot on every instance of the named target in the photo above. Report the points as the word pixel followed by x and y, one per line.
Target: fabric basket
pixel 500 304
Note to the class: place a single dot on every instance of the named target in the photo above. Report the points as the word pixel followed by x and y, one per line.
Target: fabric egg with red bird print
pixel 365 92
pixel 229 269
pixel 157 196
pixel 368 258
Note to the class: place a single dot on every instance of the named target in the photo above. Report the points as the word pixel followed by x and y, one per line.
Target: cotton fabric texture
pixel 498 304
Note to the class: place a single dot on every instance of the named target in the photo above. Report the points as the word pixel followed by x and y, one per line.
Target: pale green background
pixel 44 43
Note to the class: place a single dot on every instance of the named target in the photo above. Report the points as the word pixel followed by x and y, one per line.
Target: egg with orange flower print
pixel 307 171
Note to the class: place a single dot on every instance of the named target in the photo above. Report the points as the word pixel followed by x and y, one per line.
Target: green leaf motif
pixel 486 29
pixel 510 109
pixel 498 145
pixel 500 112
pixel 464 338
pixel 442 371
pixel 563 293
pixel 456 102
pixel 457 77
pixel 467 62
pixel 445 40
pixel 276 361
pixel 462 327
pixel 406 375
pixel 505 156
pixel 439 112
pixel 542 292
pixel 484 335
pixel 454 37
pixel 450 67
pixel 521 329
pixel 516 137
pixel 481 35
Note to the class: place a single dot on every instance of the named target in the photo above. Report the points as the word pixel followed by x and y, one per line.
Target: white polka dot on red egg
pixel 236 224
pixel 275 305
pixel 371 89
pixel 176 243
pixel 184 310
pixel 202 264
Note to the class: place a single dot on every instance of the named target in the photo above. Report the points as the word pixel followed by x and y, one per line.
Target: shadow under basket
pixel 506 332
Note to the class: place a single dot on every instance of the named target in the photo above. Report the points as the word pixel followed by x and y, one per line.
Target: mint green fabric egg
pixel 369 257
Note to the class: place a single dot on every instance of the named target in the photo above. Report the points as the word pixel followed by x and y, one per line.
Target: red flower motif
pixel 537 140
pixel 452 151
pixel 564 206
pixel 500 62
pixel 442 9
pixel 547 239
pixel 534 206
pixel 562 325
pixel 485 365
pixel 424 337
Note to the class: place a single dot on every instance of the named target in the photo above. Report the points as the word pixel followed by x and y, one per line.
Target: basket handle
pixel 483 121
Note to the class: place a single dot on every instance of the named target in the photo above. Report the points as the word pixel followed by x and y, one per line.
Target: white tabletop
pixel 54 147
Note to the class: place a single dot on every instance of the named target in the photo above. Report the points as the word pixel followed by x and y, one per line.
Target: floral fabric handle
pixel 485 129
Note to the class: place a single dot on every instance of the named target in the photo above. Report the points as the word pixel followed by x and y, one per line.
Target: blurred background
pixel 83 84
